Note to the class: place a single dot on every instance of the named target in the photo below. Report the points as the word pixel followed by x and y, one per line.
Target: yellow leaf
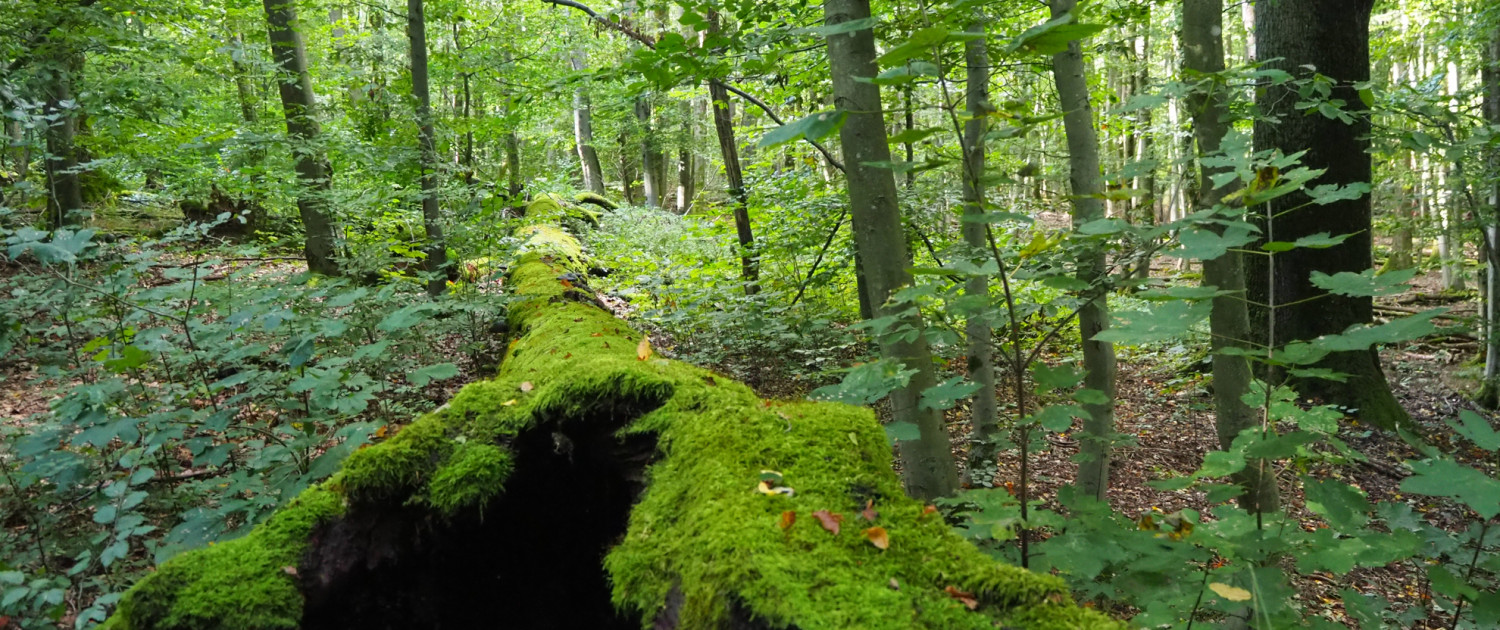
pixel 1231 593
pixel 878 537
pixel 508 402
pixel 643 351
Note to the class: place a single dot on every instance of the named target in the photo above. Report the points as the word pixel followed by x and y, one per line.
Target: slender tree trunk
pixel 1333 36
pixel 583 131
pixel 243 89
pixel 1229 321
pixel 1450 239
pixel 650 153
pixel 1098 356
pixel 686 171
pixel 432 214
pixel 1490 393
pixel 300 107
pixel 984 410
pixel 64 186
pixel 627 170
pixel 927 461
pixel 729 150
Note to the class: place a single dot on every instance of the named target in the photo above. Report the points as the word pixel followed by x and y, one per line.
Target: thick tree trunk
pixel 1332 35
pixel 300 108
pixel 984 410
pixel 583 131
pixel 1083 164
pixel 436 264
pixel 927 461
pixel 1229 321
pixel 458 515
pixel 64 186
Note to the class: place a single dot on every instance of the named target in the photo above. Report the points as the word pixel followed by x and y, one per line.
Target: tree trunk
pixel 1229 321
pixel 436 263
pixel 927 461
pixel 1083 165
pixel 984 411
pixel 64 186
pixel 583 131
pixel 1332 35
pixel 729 150
pixel 300 108
pixel 1490 76
pixel 513 168
pixel 650 152
pixel 686 170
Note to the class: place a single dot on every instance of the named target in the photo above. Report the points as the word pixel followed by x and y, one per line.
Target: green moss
pixel 471 477
pixel 598 200
pixel 400 464
pixel 553 210
pixel 241 583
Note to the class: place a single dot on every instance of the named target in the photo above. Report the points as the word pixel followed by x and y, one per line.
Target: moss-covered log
pixel 592 485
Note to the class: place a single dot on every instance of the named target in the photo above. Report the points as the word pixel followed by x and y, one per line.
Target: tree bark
pixel 436 263
pixel 1229 321
pixel 300 109
pixel 1490 392
pixel 729 151
pixel 650 153
pixel 64 186
pixel 583 131
pixel 1332 35
pixel 687 171
pixel 1093 317
pixel 927 461
pixel 984 410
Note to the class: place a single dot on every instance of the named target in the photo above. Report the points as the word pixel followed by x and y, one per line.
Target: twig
pixel 819 260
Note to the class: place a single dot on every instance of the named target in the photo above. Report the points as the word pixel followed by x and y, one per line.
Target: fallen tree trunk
pixel 593 485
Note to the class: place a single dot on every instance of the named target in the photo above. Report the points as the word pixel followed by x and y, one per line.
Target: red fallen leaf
pixel 526 386
pixel 965 597
pixel 928 509
pixel 829 520
pixel 643 350
pixel 869 512
pixel 878 537
pixel 552 351
pixel 568 355
pixel 787 518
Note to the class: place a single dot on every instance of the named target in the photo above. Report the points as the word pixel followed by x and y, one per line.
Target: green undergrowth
pixel 702 525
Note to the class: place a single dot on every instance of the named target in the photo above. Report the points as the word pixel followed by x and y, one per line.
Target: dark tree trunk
pixel 583 132
pixel 729 149
pixel 432 214
pixel 927 461
pixel 299 105
pixel 651 156
pixel 1332 35
pixel 1490 393
pixel 64 186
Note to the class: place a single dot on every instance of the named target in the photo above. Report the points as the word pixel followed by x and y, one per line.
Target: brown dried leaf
pixel 829 520
pixel 869 512
pixel 967 598
pixel 787 518
pixel 878 537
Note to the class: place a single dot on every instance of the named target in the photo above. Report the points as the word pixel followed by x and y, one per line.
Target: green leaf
pixel 1171 320
pixel 105 514
pixel 919 42
pixel 1364 284
pixel 1478 430
pixel 131 357
pixel 1173 484
pixel 1340 504
pixel 1201 243
pixel 404 317
pixel 1446 478
pixel 1320 240
pixel 811 127
pixel 1091 397
pixel 1448 585
pixel 441 371
pixel 1330 193
pixel 1061 377
pixel 914 136
pixel 902 431
pixel 907 73
pixel 946 394
pixel 864 384
pixel 840 28
pixel 1099 227
pixel 1051 37
pixel 1058 418
pixel 1220 464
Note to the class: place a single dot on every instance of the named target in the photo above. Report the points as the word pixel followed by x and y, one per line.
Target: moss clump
pixel 475 473
pixel 596 199
pixel 552 210
pixel 242 583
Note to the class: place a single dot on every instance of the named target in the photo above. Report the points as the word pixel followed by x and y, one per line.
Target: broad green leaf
pixel 907 73
pixel 1340 504
pixel 947 393
pixel 1320 240
pixel 426 375
pixel 919 42
pixel 866 383
pixel 404 317
pixel 1099 227
pixel 1330 193
pixel 1060 377
pixel 1477 429
pixel 1058 418
pixel 1091 397
pixel 1201 243
pixel 811 127
pixel 914 135
pixel 1446 478
pixel 1220 464
pixel 902 432
pixel 1364 284
pixel 1170 320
